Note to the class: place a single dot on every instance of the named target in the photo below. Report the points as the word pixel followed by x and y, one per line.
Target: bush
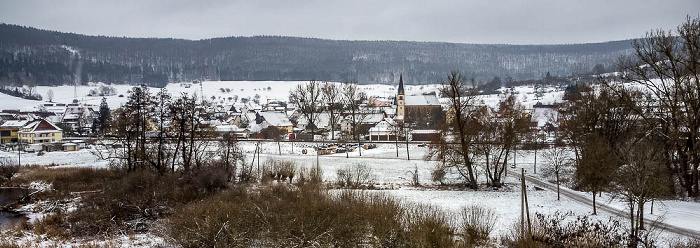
pixel 477 224
pixel 438 174
pixel 354 177
pixel 554 231
pixel 278 170
pixel 8 169
pixel 310 177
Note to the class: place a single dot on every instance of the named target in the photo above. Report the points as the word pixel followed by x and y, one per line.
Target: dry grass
pixel 286 216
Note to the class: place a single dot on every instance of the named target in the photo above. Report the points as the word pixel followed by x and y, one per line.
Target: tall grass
pixel 286 216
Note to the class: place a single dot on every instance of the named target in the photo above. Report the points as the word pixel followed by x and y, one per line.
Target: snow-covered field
pixel 267 90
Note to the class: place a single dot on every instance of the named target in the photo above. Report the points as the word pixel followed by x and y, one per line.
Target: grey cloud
pixel 478 21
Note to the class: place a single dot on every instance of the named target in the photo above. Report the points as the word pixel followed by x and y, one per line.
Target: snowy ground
pixel 392 175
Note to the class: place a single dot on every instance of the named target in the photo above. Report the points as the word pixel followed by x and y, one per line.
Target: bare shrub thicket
pixel 312 176
pixel 355 176
pixel 8 169
pixel 114 201
pixel 477 224
pixel 284 216
pixel 565 230
pixel 279 170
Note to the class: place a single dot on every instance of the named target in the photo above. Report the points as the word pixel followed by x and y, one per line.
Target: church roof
pixel 422 100
pixel 401 84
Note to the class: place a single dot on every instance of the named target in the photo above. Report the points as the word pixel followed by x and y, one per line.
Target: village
pixel 404 116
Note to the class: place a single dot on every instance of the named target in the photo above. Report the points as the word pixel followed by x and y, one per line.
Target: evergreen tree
pixel 103 117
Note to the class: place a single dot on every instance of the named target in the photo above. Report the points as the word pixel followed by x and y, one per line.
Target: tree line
pixel 52 58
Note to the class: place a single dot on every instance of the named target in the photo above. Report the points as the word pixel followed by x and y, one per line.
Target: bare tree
pixel 497 136
pixel 558 160
pixel 666 64
pixel 308 99
pixel 596 123
pixel 162 117
pixel 460 122
pixel 331 94
pixel 354 101
pixel 639 180
pixel 49 95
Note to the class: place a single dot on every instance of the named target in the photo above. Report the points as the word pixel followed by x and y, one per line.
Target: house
pixel 79 117
pixel 385 130
pixel 274 119
pixel 9 129
pixel 419 110
pixel 241 133
pixel 40 131
pixel 364 122
pixel 323 121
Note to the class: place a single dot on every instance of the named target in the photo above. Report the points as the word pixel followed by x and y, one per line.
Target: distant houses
pixel 9 129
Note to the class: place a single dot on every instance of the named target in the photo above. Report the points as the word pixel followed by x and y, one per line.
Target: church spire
pixel 401 84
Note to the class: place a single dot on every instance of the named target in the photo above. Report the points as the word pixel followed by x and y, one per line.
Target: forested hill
pixel 33 56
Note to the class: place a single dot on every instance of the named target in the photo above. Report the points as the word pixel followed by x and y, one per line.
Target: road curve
pixel 604 207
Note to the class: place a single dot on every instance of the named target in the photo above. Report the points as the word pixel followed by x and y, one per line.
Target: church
pixel 420 111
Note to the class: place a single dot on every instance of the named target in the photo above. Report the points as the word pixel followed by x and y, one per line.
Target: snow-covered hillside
pixel 267 90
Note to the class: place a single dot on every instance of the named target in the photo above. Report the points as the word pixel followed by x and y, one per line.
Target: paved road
pixel 604 207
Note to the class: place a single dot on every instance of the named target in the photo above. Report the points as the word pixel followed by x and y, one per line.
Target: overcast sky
pixel 465 21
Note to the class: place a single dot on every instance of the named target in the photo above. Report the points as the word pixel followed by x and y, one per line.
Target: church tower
pixel 400 98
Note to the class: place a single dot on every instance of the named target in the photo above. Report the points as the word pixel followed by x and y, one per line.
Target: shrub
pixel 311 177
pixel 8 168
pixel 278 170
pixel 356 176
pixel 438 174
pixel 429 227
pixel 554 231
pixel 477 224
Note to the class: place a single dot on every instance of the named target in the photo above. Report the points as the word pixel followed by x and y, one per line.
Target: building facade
pixel 40 131
pixel 421 111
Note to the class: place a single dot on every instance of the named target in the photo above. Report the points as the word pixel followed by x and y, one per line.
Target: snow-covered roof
pixel 14 124
pixel 385 125
pixel 421 100
pixel 41 125
pixel 427 131
pixel 368 118
pixel 322 121
pixel 229 128
pixel 276 119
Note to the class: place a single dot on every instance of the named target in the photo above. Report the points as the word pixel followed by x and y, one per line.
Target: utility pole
pixel 19 150
pixel 396 137
pixel 405 136
pixel 524 207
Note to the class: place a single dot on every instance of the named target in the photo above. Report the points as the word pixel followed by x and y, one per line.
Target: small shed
pixel 70 147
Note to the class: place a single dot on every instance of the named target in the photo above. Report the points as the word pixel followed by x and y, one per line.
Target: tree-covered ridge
pixel 33 56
